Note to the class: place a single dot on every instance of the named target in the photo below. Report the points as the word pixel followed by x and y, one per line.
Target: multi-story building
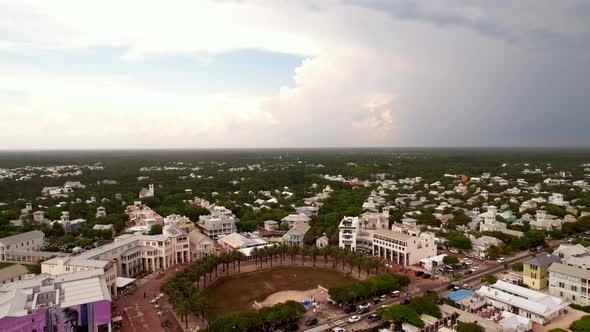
pixel 69 302
pixel 220 221
pixel 181 222
pixel 200 245
pixel 128 256
pixel 356 233
pixel 569 280
pixel 29 241
pixel 536 271
pixel 401 248
pixel 490 224
pixel 349 228
pixel 142 215
pixel 296 234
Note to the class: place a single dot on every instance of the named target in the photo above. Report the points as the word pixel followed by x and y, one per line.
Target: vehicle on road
pixel 454 251
pixel 354 319
pixel 362 311
pixel 338 329
pixel 349 309
pixel 501 260
pixel 395 293
pixel 292 328
pixel 311 322
pixel 364 305
pixel 373 318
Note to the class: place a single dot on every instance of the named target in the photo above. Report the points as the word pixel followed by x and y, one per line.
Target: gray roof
pixel 542 260
pixel 12 271
pixel 22 237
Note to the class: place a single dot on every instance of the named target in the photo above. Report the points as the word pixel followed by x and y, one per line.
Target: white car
pixel 501 260
pixel 354 319
pixel 364 305
pixel 475 268
pixel 338 329
pixel 454 251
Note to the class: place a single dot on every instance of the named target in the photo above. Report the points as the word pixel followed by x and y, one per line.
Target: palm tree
pixel 304 251
pixel 239 257
pixel 201 304
pixel 314 251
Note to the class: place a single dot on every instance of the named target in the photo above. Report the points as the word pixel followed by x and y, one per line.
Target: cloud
pixel 376 72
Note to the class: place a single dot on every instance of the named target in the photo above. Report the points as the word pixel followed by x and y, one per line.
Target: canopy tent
pixel 122 281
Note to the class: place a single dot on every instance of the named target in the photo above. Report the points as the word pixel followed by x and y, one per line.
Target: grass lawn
pixel 3 265
pixel 238 292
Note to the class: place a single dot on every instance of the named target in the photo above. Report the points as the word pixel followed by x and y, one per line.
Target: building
pixel 536 306
pixel 70 302
pixel 309 210
pixel 568 250
pixel 293 219
pixel 181 222
pixel 142 215
pixel 536 271
pixel 14 273
pixel 296 234
pixel 490 224
pixel 101 212
pixel 569 280
pixel 128 256
pixel 147 192
pixel 235 241
pixel 25 242
pixel 200 245
pixel 322 241
pixel 544 221
pixel 271 225
pixel 401 248
pixel 481 245
pixel 220 221
pixel 349 228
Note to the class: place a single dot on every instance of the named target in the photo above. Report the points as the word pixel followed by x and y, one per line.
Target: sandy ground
pixel 299 296
pixel 562 322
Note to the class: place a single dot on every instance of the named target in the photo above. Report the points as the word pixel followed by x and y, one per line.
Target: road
pixel 343 321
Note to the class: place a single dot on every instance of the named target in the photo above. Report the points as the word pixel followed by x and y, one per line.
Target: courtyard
pixel 238 292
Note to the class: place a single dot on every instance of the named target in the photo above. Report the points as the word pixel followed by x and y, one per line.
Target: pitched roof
pixel 21 237
pixel 542 260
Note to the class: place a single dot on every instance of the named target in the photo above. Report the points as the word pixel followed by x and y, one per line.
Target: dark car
pixel 426 276
pixel 376 300
pixel 311 322
pixel 373 318
pixel 419 273
pixel 349 308
pixel 430 292
pixel 406 301
pixel 450 286
pixel 292 327
pixel 468 272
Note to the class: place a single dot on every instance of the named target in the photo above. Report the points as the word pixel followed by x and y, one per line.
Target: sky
pixel 279 73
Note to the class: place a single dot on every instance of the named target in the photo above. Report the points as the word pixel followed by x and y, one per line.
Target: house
pixel 293 219
pixel 536 306
pixel 516 323
pixel 568 279
pixel 271 225
pixel 147 192
pixel 100 212
pixel 200 245
pixel 490 224
pixel 99 227
pixel 220 221
pixel 567 250
pixel 308 210
pixel 557 199
pixel 544 221
pixel 322 241
pixel 536 271
pixel 296 234
pixel 235 241
pixel 181 222
pixel 481 245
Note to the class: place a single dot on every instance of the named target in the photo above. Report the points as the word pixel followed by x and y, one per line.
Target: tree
pixel 450 260
pixel 581 325
pixel 156 229
pixel 402 314
pixel 490 279
pixel 469 327
pixel 517 267
pixel 459 241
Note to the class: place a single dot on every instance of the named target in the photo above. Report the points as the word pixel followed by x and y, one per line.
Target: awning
pixel 122 281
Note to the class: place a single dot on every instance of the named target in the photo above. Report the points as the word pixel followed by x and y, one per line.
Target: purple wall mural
pixel 80 318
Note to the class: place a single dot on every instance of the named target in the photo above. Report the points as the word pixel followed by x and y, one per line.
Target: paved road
pixel 343 321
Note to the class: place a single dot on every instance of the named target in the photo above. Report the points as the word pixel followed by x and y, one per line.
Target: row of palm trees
pixel 184 289
pixel 328 254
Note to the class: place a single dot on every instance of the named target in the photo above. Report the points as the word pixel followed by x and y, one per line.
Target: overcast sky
pixel 199 74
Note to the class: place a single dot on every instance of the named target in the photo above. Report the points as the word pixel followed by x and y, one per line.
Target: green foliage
pixel 585 308
pixel 517 267
pixel 490 279
pixel 469 327
pixel 373 285
pixel 403 314
pixel 581 325
pixel 558 330
pixel 276 315
pixel 156 229
pixel 459 241
pixel 450 260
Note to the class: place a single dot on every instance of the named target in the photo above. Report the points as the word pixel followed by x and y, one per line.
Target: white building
pixel 296 234
pixel 557 199
pixel 240 241
pixel 490 224
pixel 220 221
pixel 536 306
pixel 349 228
pixel 147 192
pixel 401 248
pixel 128 256
pixel 200 245
pixel 569 280
pixel 29 241
pixel 293 219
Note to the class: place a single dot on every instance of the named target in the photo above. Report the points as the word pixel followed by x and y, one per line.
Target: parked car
pixel 373 318
pixel 426 276
pixel 311 322
pixel 364 305
pixel 419 273
pixel 395 293
pixel 292 327
pixel 475 268
pixel 468 272
pixel 501 260
pixel 454 251
pixel 354 319
pixel 450 286
pixel 349 309
pixel 362 311
pixel 376 300
pixel 338 329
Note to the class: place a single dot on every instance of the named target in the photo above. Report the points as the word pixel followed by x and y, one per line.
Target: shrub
pixel 581 325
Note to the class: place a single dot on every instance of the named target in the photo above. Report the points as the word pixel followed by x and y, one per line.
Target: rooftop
pixel 542 260
pixel 22 237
